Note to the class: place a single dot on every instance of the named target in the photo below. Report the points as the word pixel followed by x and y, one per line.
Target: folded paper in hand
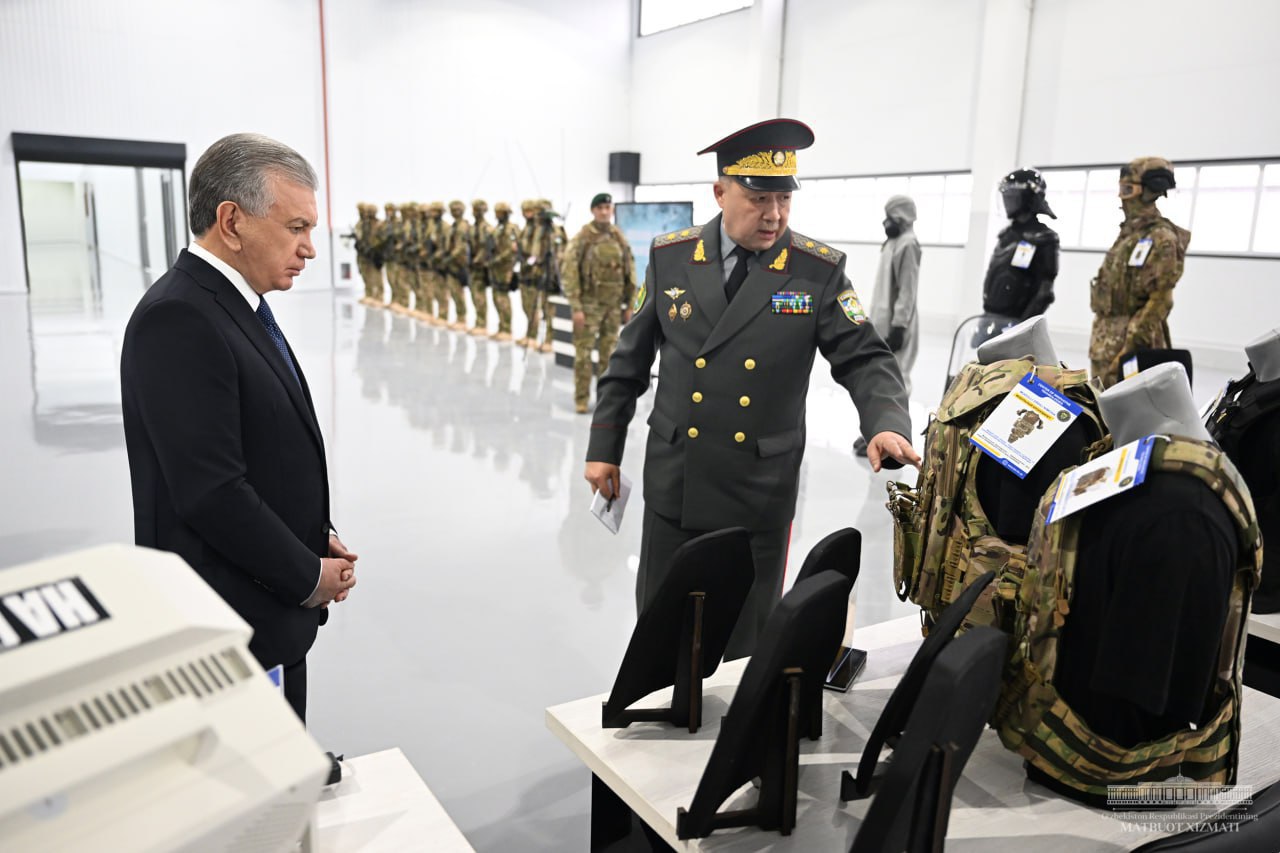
pixel 609 510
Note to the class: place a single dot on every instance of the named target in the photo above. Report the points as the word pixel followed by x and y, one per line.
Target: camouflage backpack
pixel 942 537
pixel 1035 722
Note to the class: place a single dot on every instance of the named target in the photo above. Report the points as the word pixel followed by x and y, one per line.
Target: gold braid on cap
pixel 764 164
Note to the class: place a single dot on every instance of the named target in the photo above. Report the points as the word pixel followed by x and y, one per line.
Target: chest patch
pixel 792 302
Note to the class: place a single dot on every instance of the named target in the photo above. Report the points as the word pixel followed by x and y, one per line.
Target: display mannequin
pixel 1153 580
pixel 1132 294
pixel 1264 356
pixel 1019 281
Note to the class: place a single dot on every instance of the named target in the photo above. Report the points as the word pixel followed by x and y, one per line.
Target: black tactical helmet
pixel 1023 192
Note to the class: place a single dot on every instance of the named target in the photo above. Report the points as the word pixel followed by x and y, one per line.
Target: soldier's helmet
pixel 390 206
pixel 480 205
pixel 1151 173
pixel 437 208
pixel 501 208
pixel 1023 192
pixel 409 207
pixel 456 207
pixel 528 207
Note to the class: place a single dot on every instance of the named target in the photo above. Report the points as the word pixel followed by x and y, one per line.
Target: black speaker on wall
pixel 624 167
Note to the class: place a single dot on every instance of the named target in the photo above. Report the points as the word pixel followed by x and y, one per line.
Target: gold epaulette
pixel 809 246
pixel 671 238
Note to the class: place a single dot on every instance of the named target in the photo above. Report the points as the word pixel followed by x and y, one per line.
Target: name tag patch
pixel 1023 254
pixel 792 302
pixel 1139 255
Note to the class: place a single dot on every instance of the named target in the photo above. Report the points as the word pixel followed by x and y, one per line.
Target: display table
pixel 382 804
pixel 654 769
pixel 1265 626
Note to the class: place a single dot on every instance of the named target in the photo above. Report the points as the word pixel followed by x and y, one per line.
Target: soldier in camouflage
pixel 528 288
pixel 598 276
pixel 437 304
pixel 411 254
pixel 368 260
pixel 391 229
pixel 1132 294
pixel 506 235
pixel 457 261
pixel 481 257
pixel 551 242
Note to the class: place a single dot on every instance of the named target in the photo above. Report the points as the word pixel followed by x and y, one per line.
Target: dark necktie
pixel 738 274
pixel 277 337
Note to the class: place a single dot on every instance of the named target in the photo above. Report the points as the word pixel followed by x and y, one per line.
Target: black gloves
pixel 897 337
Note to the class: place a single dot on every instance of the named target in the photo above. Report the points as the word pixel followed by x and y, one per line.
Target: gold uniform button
pixel 693 432
pixel 702 362
pixel 697 396
pixel 749 364
pixel 744 401
pixel 739 437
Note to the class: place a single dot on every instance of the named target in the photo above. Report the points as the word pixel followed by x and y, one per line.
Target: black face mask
pixel 892 229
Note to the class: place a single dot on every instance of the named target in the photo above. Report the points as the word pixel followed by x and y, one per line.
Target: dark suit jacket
pixel 727 431
pixel 225 454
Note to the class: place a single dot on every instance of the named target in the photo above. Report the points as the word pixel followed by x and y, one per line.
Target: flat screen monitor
pixel 641 221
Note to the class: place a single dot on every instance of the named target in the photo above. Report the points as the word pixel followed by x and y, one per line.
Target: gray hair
pixel 238 168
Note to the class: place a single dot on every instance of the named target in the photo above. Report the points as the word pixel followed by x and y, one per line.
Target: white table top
pixel 1266 626
pixel 655 769
pixel 382 804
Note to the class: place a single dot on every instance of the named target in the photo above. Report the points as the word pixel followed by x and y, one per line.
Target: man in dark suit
pixel 738 308
pixel 225 454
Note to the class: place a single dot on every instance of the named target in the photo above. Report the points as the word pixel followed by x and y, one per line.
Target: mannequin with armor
pixel 502 266
pixel 413 223
pixel 599 278
pixel 457 261
pixel 528 289
pixel 1132 294
pixel 481 257
pixel 368 259
pixel 436 306
pixel 393 240
pixel 1019 281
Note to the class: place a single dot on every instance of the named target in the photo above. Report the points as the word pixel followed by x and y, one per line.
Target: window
pixel 659 15
pixel 1231 208
pixel 851 210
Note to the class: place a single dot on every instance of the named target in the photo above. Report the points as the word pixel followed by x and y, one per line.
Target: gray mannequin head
pixel 1264 356
pixel 1155 402
pixel 1030 337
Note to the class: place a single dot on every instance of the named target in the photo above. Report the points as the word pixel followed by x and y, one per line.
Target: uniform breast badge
pixel 780 262
pixel 672 312
pixel 674 293
pixel 686 311
pixel 851 307
pixel 792 302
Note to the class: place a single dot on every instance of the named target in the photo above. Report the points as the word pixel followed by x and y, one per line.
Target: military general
pixel 738 308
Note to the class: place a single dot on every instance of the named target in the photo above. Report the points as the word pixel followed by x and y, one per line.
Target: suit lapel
pixel 706 278
pixel 230 300
pixel 770 275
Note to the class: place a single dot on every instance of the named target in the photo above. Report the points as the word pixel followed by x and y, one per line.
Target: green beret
pixel 601 198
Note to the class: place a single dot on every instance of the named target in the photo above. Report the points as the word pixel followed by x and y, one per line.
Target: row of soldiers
pixel 430 263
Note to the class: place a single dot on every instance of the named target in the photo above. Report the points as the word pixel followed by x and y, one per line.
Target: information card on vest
pixel 1104 477
pixel 1025 425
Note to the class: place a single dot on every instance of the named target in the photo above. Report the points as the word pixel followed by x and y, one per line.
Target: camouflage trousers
pixel 478 285
pixel 397 278
pixel 502 304
pixel 599 333
pixel 414 282
pixel 535 305
pixel 435 301
pixel 372 275
pixel 1110 337
pixel 458 294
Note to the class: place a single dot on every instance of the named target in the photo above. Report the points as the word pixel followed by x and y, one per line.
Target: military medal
pixel 792 302
pixel 672 312
pixel 686 311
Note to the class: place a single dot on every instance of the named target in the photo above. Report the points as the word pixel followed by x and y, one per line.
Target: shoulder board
pixel 809 246
pixel 671 238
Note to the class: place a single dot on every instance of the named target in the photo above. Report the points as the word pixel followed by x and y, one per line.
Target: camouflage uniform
pixel 529 296
pixel 409 254
pixel 1131 296
pixel 457 261
pixel 481 256
pixel 501 267
pixel 550 241
pixel 368 260
pixel 437 303
pixel 599 277
pixel 391 238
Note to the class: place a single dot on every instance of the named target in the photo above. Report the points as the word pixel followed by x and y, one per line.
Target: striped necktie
pixel 277 337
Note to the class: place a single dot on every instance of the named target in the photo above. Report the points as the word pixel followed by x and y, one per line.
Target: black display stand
pixel 681 636
pixel 778 701
pixel 839 552
pixel 893 718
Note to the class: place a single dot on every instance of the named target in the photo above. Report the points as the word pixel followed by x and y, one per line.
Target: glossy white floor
pixel 486 591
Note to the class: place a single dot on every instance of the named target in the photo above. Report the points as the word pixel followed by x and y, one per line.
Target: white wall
pixel 496 99
pixel 146 70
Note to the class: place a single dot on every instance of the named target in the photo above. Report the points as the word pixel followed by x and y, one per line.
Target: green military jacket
pixel 727 432
pixel 481 245
pixel 505 250
pixel 1131 302
pixel 457 252
pixel 598 264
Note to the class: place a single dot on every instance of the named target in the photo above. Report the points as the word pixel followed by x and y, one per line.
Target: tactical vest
pixel 1034 721
pixel 602 260
pixel 1244 402
pixel 942 538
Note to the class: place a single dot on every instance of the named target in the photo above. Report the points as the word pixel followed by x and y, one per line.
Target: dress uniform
pixel 727 432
